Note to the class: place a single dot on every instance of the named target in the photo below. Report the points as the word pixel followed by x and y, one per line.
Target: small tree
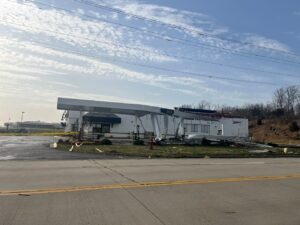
pixel 205 142
pixel 105 142
pixel 293 126
pixel 278 112
pixel 259 122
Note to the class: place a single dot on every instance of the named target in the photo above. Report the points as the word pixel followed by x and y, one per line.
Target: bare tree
pixel 292 94
pixel 297 108
pixel 279 98
pixel 286 102
pixel 204 105
pixel 188 106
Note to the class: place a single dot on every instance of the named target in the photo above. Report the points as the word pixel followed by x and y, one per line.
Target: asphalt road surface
pixel 36 148
pixel 150 191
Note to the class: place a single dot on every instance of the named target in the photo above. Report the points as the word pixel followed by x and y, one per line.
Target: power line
pixel 170 25
pixel 165 69
pixel 156 53
pixel 193 74
pixel 170 38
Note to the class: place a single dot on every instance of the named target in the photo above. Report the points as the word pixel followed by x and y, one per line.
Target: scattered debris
pixel 54 145
pixel 254 144
pixel 71 149
pixel 99 150
pixel 21 194
pixel 259 151
pixel 78 144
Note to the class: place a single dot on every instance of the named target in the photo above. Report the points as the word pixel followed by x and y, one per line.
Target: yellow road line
pixel 146 184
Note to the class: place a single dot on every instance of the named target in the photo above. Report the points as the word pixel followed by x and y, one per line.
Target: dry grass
pixel 274 131
pixel 169 151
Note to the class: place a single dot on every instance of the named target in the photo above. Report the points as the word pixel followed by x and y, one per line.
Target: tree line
pixel 285 104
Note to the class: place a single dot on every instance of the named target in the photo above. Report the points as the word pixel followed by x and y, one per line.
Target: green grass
pixel 175 151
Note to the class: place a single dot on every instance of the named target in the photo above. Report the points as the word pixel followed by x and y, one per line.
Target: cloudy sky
pixel 163 53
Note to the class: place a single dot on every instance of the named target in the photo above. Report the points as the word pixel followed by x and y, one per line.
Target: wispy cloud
pixel 100 97
pixel 13 56
pixel 194 24
pixel 14 75
pixel 73 30
pixel 296 13
pixel 266 42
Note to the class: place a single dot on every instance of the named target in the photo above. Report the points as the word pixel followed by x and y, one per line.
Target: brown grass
pixel 274 131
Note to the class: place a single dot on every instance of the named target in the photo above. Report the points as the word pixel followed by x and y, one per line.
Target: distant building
pixel 28 126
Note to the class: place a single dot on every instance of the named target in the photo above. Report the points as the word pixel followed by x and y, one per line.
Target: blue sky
pixel 80 50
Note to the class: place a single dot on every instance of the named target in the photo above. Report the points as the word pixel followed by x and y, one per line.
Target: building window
pixel 194 128
pixel 205 129
pixel 105 128
pixel 96 129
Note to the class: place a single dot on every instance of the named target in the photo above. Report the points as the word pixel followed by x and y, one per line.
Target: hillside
pixel 274 131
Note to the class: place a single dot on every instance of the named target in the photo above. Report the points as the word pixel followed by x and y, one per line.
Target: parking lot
pixel 35 148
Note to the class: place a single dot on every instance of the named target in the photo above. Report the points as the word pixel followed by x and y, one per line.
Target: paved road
pixel 36 148
pixel 153 191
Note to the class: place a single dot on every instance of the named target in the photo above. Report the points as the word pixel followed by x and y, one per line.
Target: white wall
pixel 230 127
pixel 235 127
pixel 72 119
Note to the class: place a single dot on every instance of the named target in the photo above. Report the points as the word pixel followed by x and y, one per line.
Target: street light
pixel 7 125
pixel 22 118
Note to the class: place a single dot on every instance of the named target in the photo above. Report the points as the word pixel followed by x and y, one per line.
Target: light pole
pixel 22 118
pixel 8 123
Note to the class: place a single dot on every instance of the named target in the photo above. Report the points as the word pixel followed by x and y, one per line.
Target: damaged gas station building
pixel 123 120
